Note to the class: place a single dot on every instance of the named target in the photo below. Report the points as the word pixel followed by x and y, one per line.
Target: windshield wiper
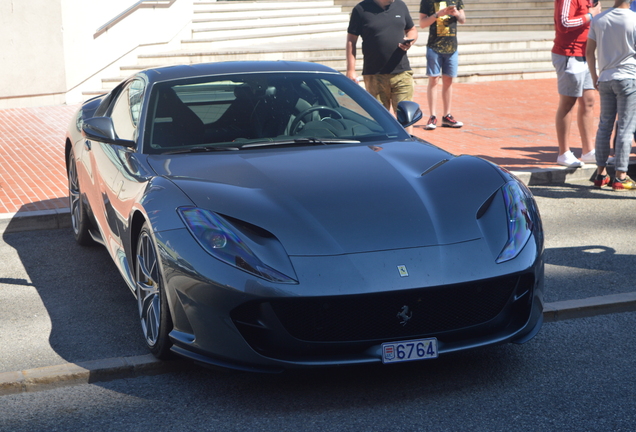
pixel 301 141
pixel 202 149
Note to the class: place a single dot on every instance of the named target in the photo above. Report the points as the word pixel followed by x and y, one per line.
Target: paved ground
pixel 508 122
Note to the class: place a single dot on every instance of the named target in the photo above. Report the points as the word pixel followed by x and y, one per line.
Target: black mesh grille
pixel 368 317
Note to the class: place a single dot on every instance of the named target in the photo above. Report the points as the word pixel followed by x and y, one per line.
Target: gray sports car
pixel 271 215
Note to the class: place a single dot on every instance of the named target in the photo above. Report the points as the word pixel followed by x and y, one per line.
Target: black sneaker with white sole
pixel 449 121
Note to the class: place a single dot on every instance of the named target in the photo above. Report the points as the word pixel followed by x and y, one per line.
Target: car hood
pixel 341 199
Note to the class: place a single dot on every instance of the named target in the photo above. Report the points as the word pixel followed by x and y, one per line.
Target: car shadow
pixel 93 314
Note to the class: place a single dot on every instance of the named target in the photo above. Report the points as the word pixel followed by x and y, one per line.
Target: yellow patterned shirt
pixel 442 34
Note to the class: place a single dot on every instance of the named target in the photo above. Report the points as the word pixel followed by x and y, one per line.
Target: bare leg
pixel 585 120
pixel 447 93
pixel 563 120
pixel 431 94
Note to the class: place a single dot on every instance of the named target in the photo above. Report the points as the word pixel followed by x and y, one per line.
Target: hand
pixel 595 10
pixel 450 10
pixel 352 76
pixel 405 45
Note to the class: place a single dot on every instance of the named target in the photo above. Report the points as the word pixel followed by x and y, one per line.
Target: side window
pixel 135 95
pixel 126 110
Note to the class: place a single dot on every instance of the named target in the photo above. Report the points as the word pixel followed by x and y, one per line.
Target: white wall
pixel 53 55
pixel 31 49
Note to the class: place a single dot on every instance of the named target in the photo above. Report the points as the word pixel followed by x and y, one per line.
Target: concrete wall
pixel 31 50
pixel 54 53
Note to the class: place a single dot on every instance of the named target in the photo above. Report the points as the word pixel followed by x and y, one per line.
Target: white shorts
pixel 573 75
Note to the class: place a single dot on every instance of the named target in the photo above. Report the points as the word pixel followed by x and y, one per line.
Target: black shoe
pixel 449 121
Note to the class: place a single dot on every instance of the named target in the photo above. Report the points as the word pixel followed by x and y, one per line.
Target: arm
pixel 428 20
pixel 350 53
pixel 461 16
pixel 569 21
pixel 590 55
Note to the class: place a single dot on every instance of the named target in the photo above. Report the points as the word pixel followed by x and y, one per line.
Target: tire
pixel 79 217
pixel 154 314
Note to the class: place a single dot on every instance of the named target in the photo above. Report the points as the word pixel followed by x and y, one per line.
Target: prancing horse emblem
pixel 404 315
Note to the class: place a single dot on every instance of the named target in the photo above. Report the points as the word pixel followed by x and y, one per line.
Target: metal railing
pixel 144 4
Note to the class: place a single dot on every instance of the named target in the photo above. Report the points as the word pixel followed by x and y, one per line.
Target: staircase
pixel 491 15
pixel 500 40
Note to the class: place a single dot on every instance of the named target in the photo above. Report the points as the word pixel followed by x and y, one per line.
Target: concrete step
pixel 512 27
pixel 414 5
pixel 482 58
pixel 261 36
pixel 233 6
pixel 227 24
pixel 534 15
pixel 298 17
pixel 260 14
pixel 316 31
pixel 462 77
pixel 487 12
pixel 214 29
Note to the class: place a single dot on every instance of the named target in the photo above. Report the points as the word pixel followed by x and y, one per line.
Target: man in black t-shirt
pixel 441 53
pixel 385 27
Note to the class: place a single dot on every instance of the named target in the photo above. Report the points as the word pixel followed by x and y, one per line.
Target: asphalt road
pixel 62 303
pixel 590 240
pixel 576 375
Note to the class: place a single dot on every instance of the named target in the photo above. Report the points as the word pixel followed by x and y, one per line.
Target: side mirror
pixel 102 129
pixel 408 113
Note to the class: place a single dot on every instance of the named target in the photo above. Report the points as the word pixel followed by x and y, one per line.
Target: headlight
pixel 520 213
pixel 227 244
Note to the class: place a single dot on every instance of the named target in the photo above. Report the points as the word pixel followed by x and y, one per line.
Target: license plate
pixel 420 349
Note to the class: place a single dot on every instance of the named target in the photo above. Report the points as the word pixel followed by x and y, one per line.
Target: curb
pixel 589 307
pixel 556 175
pixel 90 372
pixel 35 220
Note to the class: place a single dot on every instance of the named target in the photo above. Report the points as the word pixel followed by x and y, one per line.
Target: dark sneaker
pixel 432 123
pixel 449 121
pixel 601 180
pixel 621 185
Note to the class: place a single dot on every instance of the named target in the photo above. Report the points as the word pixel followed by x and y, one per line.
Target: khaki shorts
pixel 390 89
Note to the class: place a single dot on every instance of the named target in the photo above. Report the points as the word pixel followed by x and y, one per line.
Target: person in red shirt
pixel 572 23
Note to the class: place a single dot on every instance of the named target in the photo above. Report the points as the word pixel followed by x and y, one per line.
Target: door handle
pixel 87 144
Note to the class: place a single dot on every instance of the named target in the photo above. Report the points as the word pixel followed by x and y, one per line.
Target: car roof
pixel 169 73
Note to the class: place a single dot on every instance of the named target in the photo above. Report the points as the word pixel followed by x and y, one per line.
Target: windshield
pixel 235 112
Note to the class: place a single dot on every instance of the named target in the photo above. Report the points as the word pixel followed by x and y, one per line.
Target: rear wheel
pixel 79 217
pixel 154 315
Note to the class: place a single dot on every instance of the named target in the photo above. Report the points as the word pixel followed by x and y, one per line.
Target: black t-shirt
pixel 442 34
pixel 381 31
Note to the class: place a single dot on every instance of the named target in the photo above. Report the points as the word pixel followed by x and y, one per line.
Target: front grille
pixel 369 317
pixel 377 316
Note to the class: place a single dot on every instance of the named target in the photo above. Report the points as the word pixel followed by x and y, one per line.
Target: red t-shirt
pixel 571 27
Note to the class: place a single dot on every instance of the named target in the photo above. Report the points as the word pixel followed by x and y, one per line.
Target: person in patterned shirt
pixel 441 17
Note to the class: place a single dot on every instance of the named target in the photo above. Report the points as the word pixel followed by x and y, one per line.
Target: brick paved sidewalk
pixel 508 122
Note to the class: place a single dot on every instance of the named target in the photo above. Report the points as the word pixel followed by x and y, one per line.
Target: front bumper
pixel 223 316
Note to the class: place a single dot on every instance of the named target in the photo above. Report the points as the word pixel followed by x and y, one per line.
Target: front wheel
pixel 154 315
